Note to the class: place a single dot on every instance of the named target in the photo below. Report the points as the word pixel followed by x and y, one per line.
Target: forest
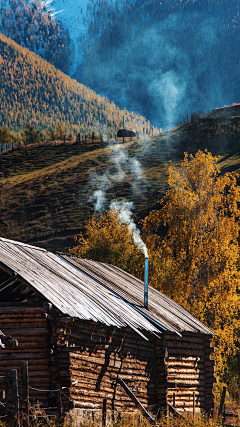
pixel 31 25
pixel 159 59
pixel 34 91
pixel 188 212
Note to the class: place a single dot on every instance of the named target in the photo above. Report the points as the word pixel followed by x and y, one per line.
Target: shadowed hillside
pixel 164 59
pixel 46 191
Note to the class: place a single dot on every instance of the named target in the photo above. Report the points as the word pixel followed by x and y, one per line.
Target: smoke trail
pixel 99 185
pixel 124 210
pixel 99 195
pixel 122 165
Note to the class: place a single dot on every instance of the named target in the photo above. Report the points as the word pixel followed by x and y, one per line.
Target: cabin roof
pixel 94 291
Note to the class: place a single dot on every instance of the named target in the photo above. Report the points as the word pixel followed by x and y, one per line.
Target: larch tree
pixel 5 137
pixel 30 135
pixel 197 262
pixel 60 133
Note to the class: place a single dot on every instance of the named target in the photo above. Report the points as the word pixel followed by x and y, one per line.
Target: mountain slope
pixel 32 25
pixel 162 59
pixel 34 91
pixel 167 58
pixel 46 191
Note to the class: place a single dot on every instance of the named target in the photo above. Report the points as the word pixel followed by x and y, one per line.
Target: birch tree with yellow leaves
pixel 106 239
pixel 197 262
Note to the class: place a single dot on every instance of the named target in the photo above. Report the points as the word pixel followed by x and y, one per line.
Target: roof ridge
pixel 15 242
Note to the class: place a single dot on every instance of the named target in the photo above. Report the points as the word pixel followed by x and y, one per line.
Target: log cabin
pixel 83 328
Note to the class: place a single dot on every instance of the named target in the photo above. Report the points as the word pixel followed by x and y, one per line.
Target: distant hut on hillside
pixel 83 328
pixel 126 133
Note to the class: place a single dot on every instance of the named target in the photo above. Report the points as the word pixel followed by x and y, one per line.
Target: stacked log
pixel 191 372
pixel 86 360
pixel 27 325
pixel 209 365
pixel 98 357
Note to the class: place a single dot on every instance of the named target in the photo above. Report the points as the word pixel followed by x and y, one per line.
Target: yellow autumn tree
pixel 107 240
pixel 197 262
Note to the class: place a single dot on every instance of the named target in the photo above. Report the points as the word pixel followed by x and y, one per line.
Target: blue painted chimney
pixel 146 284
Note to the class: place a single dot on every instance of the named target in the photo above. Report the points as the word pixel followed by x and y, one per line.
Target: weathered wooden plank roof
pixel 95 291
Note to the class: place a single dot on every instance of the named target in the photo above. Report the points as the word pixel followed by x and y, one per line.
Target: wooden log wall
pixel 98 356
pixel 86 359
pixel 27 325
pixel 190 369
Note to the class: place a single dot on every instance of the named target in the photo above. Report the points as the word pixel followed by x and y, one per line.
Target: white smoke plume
pixel 122 164
pixel 100 198
pixel 99 185
pixel 124 210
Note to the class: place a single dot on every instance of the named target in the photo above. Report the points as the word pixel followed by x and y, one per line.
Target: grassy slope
pixel 44 190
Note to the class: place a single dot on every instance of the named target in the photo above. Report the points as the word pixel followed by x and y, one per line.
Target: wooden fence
pixel 15 406
pixel 13 403
pixel 230 419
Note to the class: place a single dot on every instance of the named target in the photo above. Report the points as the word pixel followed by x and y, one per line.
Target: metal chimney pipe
pixel 146 284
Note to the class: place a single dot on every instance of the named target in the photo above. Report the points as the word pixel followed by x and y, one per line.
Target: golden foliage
pixel 107 240
pixel 198 258
pixel 197 262
pixel 32 26
pixel 33 91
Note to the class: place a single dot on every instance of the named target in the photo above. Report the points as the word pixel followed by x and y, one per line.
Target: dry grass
pixel 45 191
pixel 134 422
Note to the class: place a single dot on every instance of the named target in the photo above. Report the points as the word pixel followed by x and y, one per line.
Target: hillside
pixel 32 90
pixel 162 60
pixel 175 56
pixel 46 191
pixel 33 25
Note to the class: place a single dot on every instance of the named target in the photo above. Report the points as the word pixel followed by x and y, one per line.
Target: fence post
pixel 222 401
pixel 59 401
pixel 25 392
pixel 174 400
pixel 104 412
pixel 194 404
pixel 15 396
pixel 6 393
